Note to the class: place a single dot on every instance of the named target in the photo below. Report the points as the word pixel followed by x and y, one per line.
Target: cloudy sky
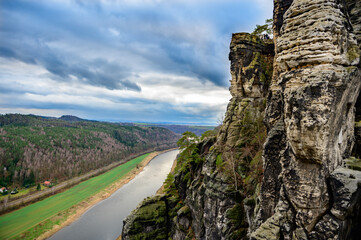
pixel 125 60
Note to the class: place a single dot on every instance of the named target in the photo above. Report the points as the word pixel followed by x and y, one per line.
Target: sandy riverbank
pixel 81 208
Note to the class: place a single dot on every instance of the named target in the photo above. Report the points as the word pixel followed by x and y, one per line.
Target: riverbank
pixel 34 220
pixel 81 208
pixel 8 206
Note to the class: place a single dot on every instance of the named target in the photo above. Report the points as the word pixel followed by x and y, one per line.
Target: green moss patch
pixel 354 163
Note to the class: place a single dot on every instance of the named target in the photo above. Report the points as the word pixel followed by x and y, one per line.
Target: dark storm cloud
pixel 99 72
pixel 8 53
pixel 158 27
pixel 31 46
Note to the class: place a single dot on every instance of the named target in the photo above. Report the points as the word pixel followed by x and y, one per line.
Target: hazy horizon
pixel 117 121
pixel 121 61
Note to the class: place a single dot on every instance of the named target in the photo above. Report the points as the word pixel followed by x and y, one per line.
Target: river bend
pixel 105 219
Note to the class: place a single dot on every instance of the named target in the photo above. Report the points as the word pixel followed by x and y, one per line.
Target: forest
pixel 34 148
pixel 180 129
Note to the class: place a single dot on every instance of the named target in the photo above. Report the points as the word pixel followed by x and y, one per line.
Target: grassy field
pixel 17 222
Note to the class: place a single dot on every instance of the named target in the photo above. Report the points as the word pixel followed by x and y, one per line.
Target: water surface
pixel 105 219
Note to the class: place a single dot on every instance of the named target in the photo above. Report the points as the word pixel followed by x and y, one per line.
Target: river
pixel 105 219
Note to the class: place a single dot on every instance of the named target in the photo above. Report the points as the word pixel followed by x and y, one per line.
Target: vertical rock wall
pixel 251 70
pixel 311 112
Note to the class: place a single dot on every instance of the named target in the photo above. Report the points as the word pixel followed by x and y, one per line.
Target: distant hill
pixel 179 129
pixel 35 148
pixel 71 118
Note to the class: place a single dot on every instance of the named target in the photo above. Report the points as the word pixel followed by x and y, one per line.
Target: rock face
pixel 149 221
pixel 311 110
pixel 307 87
pixel 251 71
pixel 203 207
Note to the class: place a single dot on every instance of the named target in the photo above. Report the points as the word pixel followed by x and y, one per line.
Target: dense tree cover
pixel 34 148
pixel 180 129
pixel 190 158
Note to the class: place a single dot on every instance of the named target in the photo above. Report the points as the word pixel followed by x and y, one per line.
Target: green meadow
pixel 17 222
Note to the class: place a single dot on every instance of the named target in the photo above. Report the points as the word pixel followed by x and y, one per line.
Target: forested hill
pixel 35 148
pixel 180 129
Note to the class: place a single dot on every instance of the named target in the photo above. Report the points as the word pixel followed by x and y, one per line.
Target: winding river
pixel 105 219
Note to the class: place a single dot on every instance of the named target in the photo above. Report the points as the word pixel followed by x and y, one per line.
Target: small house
pixel 14 191
pixel 3 189
pixel 47 183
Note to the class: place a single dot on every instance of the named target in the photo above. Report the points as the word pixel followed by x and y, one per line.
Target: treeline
pixel 180 129
pixel 34 148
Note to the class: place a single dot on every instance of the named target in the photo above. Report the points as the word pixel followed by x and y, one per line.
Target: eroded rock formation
pixel 312 106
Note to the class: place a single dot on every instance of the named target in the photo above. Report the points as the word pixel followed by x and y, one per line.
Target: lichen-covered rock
pixel 216 207
pixel 280 7
pixel 251 71
pixel 315 86
pixel 149 220
pixel 357 146
pixel 344 219
pixel 354 11
pixel 210 200
pixel 346 189
pixel 272 164
pixel 251 65
pixel 279 225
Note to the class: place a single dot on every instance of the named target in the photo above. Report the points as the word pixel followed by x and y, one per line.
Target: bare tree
pixel 232 163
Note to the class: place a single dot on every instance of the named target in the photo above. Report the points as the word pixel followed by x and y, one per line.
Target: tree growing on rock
pixel 187 140
pixel 265 28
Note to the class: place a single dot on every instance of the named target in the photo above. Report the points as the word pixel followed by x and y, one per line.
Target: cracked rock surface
pixel 312 103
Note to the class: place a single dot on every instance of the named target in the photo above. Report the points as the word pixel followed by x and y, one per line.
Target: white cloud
pixel 114 32
pixel 185 94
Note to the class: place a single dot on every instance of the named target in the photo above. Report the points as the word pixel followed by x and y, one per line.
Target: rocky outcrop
pixel 311 110
pixel 210 200
pixel 280 7
pixel 251 71
pixel 150 220
pixel 357 146
pixel 354 11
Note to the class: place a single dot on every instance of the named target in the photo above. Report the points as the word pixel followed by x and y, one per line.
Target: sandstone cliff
pixel 297 176
pixel 311 108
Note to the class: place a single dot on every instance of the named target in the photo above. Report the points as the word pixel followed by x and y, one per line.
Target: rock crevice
pixel 313 92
